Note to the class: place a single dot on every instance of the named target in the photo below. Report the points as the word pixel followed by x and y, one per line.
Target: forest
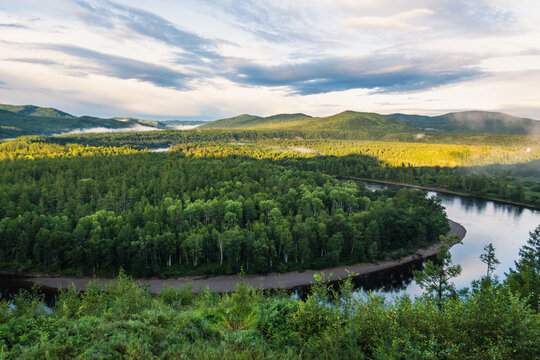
pixel 508 171
pixel 497 166
pixel 162 138
pixel 165 214
pixel 32 147
pixel 517 181
pixel 393 154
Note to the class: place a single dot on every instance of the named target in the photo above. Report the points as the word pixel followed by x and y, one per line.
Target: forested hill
pixel 245 121
pixel 474 121
pixel 35 111
pixel 19 120
pixel 461 122
pixel 13 124
pixel 344 121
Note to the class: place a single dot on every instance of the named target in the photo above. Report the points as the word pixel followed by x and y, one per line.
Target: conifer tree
pixel 435 278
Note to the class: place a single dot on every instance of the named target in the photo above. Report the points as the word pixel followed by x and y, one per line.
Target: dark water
pixel 506 226
pixel 13 284
pixel 391 282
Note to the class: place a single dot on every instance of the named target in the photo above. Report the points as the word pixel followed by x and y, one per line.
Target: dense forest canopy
pixel 393 154
pixel 508 172
pixel 346 121
pixel 152 213
pixel 32 147
pixel 379 133
pixel 518 181
pixel 35 111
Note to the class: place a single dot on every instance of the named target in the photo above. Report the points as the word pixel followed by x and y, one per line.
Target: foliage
pixel 488 258
pixel 435 278
pixel 164 214
pixel 122 320
pixel 260 199
pixel 525 279
pixel 394 154
pixel 345 121
pixel 34 111
pixel 362 160
pixel 33 147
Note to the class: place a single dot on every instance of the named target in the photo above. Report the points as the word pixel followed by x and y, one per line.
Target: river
pixel 506 226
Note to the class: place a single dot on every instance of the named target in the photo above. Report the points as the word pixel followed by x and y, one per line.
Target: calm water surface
pixel 506 226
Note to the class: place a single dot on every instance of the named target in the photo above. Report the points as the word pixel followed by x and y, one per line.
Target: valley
pixel 253 205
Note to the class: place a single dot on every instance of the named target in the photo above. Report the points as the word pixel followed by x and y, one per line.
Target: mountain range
pixel 344 121
pixel 484 122
pixel 18 120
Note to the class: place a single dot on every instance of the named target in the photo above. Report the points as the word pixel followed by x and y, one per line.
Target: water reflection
pixel 506 226
pixel 389 282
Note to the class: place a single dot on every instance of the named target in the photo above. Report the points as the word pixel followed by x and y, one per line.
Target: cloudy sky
pixel 205 59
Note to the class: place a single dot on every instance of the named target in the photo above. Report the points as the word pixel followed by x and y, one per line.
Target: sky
pixel 208 59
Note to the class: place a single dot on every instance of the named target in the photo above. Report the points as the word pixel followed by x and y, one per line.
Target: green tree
pixel 435 277
pixel 488 258
pixel 525 280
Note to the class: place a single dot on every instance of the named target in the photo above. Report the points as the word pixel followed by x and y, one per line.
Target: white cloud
pixel 394 22
pixel 502 37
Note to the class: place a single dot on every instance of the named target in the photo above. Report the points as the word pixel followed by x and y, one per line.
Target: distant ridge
pixel 32 110
pixel 344 121
pixel 251 121
pixel 19 120
pixel 474 122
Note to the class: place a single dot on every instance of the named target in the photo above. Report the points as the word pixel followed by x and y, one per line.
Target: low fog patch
pixel 182 127
pixel 101 129
pixel 303 150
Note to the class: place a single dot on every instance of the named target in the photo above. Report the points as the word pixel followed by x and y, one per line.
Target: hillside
pixel 35 111
pixel 345 121
pixel 475 122
pixel 13 124
pixel 19 120
pixel 246 121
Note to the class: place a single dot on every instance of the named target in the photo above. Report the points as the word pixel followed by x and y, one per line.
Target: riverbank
pixel 227 283
pixel 444 191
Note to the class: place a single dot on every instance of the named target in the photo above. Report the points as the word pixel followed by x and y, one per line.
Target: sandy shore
pixel 227 283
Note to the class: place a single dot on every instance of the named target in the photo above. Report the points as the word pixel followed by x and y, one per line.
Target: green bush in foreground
pixel 122 320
